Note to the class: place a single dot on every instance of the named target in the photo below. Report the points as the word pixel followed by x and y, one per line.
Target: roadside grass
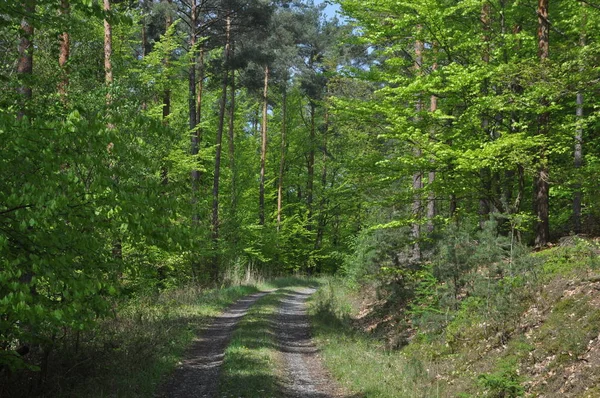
pixel 131 353
pixel 361 363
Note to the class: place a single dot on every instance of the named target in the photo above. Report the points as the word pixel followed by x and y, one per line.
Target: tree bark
pixel 431 210
pixel 231 142
pixel 63 57
pixel 322 218
pixel 166 110
pixel 282 157
pixel 263 150
pixel 219 141
pixel 417 180
pixel 25 63
pixel 193 117
pixel 311 164
pixel 541 183
pixel 484 199
pixel 578 150
pixel 108 72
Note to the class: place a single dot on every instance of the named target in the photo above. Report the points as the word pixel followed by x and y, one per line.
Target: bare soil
pixel 303 375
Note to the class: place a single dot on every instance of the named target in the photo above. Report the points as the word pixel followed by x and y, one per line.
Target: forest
pixel 151 145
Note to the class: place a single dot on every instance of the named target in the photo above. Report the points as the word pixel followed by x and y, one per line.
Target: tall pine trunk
pixel 311 164
pixel 25 63
pixel 417 179
pixel 231 142
pixel 485 175
pixel 218 149
pixel 282 157
pixel 63 57
pixel 263 149
pixel 541 183
pixel 431 210
pixel 193 117
pixel 578 150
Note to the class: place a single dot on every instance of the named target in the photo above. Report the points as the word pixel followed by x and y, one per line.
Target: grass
pixel 128 356
pixel 250 364
pixel 362 364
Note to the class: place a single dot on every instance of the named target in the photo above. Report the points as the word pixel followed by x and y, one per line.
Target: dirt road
pixel 303 375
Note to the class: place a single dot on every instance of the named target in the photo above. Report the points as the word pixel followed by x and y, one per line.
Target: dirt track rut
pixel 198 375
pixel 304 374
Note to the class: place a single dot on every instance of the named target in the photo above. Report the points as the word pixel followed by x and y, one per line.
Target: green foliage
pixel 505 382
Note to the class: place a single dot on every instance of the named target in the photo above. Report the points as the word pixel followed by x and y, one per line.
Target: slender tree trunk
pixel 219 142
pixel 263 150
pixel 200 90
pixel 541 184
pixel 166 110
pixel 311 164
pixel 25 63
pixel 108 73
pixel 417 180
pixel 322 219
pixel 282 158
pixel 578 150
pixel 117 248
pixel 193 118
pixel 63 58
pixel 431 210
pixel 231 142
pixel 485 175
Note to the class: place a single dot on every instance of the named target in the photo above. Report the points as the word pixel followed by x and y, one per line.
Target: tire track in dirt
pixel 198 374
pixel 304 374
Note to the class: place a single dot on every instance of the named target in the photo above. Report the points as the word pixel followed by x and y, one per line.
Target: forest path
pixel 198 374
pixel 304 375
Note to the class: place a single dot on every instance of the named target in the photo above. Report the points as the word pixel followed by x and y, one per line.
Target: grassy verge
pixel 250 364
pixel 127 356
pixel 359 362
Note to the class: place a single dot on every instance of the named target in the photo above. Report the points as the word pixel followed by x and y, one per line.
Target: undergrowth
pixel 484 318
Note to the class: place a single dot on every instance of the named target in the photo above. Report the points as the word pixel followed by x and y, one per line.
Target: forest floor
pixel 228 357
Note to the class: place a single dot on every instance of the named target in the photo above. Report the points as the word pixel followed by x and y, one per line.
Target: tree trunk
pixel 542 227
pixel 578 150
pixel 108 74
pixel 231 136
pixel 63 58
pixel 322 219
pixel 431 211
pixel 311 164
pixel 417 180
pixel 166 110
pixel 193 118
pixel 263 150
pixel 25 64
pixel 282 158
pixel 484 199
pixel 218 143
